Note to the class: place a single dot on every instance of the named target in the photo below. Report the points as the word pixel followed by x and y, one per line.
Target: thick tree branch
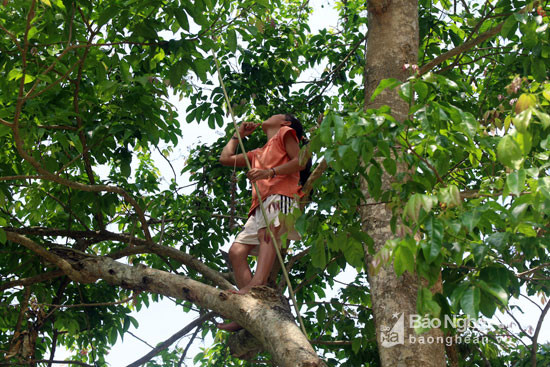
pixel 50 257
pixel 140 246
pixel 165 344
pixel 471 43
pixel 317 172
pixel 262 316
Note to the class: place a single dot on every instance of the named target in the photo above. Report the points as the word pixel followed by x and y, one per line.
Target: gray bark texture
pixel 392 42
pixel 263 312
pixel 260 312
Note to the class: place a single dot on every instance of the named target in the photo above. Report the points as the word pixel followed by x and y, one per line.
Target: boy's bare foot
pixel 230 326
pixel 241 291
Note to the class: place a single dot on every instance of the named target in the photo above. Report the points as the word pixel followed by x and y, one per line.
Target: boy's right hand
pixel 247 128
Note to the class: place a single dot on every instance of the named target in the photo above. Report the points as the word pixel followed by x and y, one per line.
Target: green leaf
pixel 390 166
pixel 498 240
pixel 15 74
pixel 181 17
pixel 201 67
pixel 356 345
pixel 470 302
pixel 338 127
pixel 403 259
pixel 325 129
pixel 385 83
pixel 232 40
pixel 318 254
pixel 3 237
pixel 521 120
pixel 543 186
pixel 525 142
pixel 516 181
pixel 426 303
pixel 543 117
pixel 479 250
pixel 509 24
pixel 106 15
pixel 470 220
pixel 495 290
pixel 509 152
pixel 449 196
pixel 538 68
pixel 457 294
pixel 421 89
pixel 405 91
pixel 432 247
pixel 469 124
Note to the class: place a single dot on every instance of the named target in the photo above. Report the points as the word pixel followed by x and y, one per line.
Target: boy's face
pixel 275 121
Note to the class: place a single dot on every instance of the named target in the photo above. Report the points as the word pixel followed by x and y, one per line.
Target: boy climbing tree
pixel 278 174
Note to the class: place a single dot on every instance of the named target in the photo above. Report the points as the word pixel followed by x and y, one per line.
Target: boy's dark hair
pixel 297 126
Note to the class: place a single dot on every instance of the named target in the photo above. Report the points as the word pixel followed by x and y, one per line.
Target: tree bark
pixel 260 312
pixel 393 42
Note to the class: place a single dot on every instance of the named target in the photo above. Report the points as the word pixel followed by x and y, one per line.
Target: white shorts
pixel 273 204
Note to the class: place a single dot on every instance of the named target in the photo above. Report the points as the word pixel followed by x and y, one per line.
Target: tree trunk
pixel 393 42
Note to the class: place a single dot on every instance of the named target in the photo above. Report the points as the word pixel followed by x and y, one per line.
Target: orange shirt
pixel 271 155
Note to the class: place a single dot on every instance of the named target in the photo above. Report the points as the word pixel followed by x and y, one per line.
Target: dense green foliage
pixel 84 102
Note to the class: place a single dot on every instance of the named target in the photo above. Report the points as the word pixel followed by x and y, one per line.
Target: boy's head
pixel 284 119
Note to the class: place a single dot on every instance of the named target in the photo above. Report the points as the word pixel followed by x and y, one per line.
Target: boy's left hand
pixel 256 174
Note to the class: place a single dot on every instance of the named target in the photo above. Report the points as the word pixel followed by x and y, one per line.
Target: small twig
pixel 534 346
pixel 519 326
pixel 5 123
pixel 536 268
pixel 169 163
pixel 337 343
pixel 530 300
pixel 31 280
pixel 34 361
pixel 12 36
pixel 165 344
pixel 100 304
pixel 67 208
pixel 430 166
pixel 17 178
pixel 182 357
pixel 141 340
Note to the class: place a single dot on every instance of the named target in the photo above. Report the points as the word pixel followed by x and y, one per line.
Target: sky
pixel 163 319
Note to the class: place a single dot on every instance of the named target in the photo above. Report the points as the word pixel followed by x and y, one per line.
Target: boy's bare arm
pixel 228 156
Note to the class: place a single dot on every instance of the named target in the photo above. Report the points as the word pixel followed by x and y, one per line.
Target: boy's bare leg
pixel 266 258
pixel 238 254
